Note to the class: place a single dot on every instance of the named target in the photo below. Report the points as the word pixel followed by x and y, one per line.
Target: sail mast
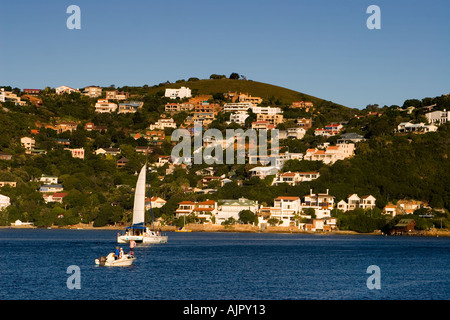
pixel 151 209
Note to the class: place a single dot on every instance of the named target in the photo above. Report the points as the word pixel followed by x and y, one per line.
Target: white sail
pixel 139 198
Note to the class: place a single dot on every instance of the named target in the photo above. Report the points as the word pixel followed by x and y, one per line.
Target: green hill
pixel 254 88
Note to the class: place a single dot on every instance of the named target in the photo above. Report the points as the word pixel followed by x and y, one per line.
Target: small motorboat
pixel 111 261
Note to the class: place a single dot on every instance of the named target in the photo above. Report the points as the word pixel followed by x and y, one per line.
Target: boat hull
pixel 151 239
pixel 109 261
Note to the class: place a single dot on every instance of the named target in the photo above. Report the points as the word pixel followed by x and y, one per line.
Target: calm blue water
pixel 216 266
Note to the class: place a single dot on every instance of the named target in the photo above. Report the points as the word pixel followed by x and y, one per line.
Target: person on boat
pixel 121 253
pixel 116 253
pixel 132 245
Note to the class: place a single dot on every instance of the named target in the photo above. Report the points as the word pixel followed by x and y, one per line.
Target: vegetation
pixel 388 166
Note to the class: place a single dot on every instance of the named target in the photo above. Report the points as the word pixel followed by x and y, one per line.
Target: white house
pixel 284 209
pixel 65 89
pixel 239 117
pixel 76 153
pixel 104 106
pixel 155 202
pixel 438 117
pixel 46 179
pixel 263 172
pixel 294 178
pixel 355 202
pixel 405 127
pixel 238 107
pixel 231 208
pixel 28 143
pixel 181 93
pixel 4 202
pixel 164 123
pixel 322 203
pixel 92 91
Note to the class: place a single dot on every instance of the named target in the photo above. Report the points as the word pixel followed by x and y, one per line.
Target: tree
pixel 234 76
pixel 248 217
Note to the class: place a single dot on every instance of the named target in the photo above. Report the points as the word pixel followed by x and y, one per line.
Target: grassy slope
pixel 254 88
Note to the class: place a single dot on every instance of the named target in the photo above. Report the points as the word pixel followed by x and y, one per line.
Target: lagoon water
pixel 224 266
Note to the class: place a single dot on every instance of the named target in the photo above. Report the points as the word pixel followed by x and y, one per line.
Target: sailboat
pixel 138 231
pixel 183 229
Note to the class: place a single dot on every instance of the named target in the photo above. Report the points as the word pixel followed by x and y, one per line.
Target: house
pixel 263 172
pixel 350 137
pixel 231 208
pixel 12 184
pixel 404 226
pixel 408 127
pixel 302 105
pixel 154 202
pixel 5 156
pixel 116 95
pixel 122 162
pixel 331 154
pixel 4 202
pixel 65 126
pixel 438 117
pixel 208 108
pixel 92 91
pixel 322 203
pixel 203 210
pixel 185 208
pixel 262 125
pixel 294 178
pixel 32 92
pixel 130 107
pixel 179 107
pixel 65 89
pixel 64 142
pixel 390 209
pixel 237 107
pixel 329 130
pixel 242 97
pixel 181 93
pixel 144 149
pixel 273 119
pixel 355 202
pixel 304 123
pixel 163 123
pixel 199 100
pixel 204 182
pixel 103 106
pixel 51 188
pixel 28 143
pixel 292 133
pixel 266 110
pixel 47 179
pixel 206 210
pixel 106 151
pixel 162 160
pixel 409 206
pixel 8 96
pixel 239 117
pixel 55 197
pixel 76 153
pixel 285 210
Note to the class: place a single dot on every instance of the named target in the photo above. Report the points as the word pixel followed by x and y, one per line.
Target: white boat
pixel 111 261
pixel 138 231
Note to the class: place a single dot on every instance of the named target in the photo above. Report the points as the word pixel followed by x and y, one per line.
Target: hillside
pixel 254 88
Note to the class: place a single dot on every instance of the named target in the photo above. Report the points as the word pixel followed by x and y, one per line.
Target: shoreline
pixel 242 229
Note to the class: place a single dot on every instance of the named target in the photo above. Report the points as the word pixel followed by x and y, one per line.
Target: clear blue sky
pixel 322 47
